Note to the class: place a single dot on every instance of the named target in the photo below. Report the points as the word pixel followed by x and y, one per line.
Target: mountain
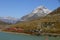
pixel 49 24
pixel 9 20
pixel 40 11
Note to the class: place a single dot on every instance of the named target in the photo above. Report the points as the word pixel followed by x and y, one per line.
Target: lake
pixel 11 36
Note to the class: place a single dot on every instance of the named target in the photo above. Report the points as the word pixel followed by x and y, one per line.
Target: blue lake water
pixel 10 36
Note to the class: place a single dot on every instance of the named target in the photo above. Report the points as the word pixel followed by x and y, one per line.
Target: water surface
pixel 11 36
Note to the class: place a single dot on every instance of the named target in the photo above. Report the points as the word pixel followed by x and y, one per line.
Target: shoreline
pixel 15 33
pixel 46 34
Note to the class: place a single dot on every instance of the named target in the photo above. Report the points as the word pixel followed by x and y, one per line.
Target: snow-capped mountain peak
pixel 41 8
pixel 40 11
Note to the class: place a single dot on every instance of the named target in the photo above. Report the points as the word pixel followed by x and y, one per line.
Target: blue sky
pixel 19 8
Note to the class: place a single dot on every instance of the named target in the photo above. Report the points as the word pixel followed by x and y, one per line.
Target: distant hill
pixel 3 23
pixel 11 20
